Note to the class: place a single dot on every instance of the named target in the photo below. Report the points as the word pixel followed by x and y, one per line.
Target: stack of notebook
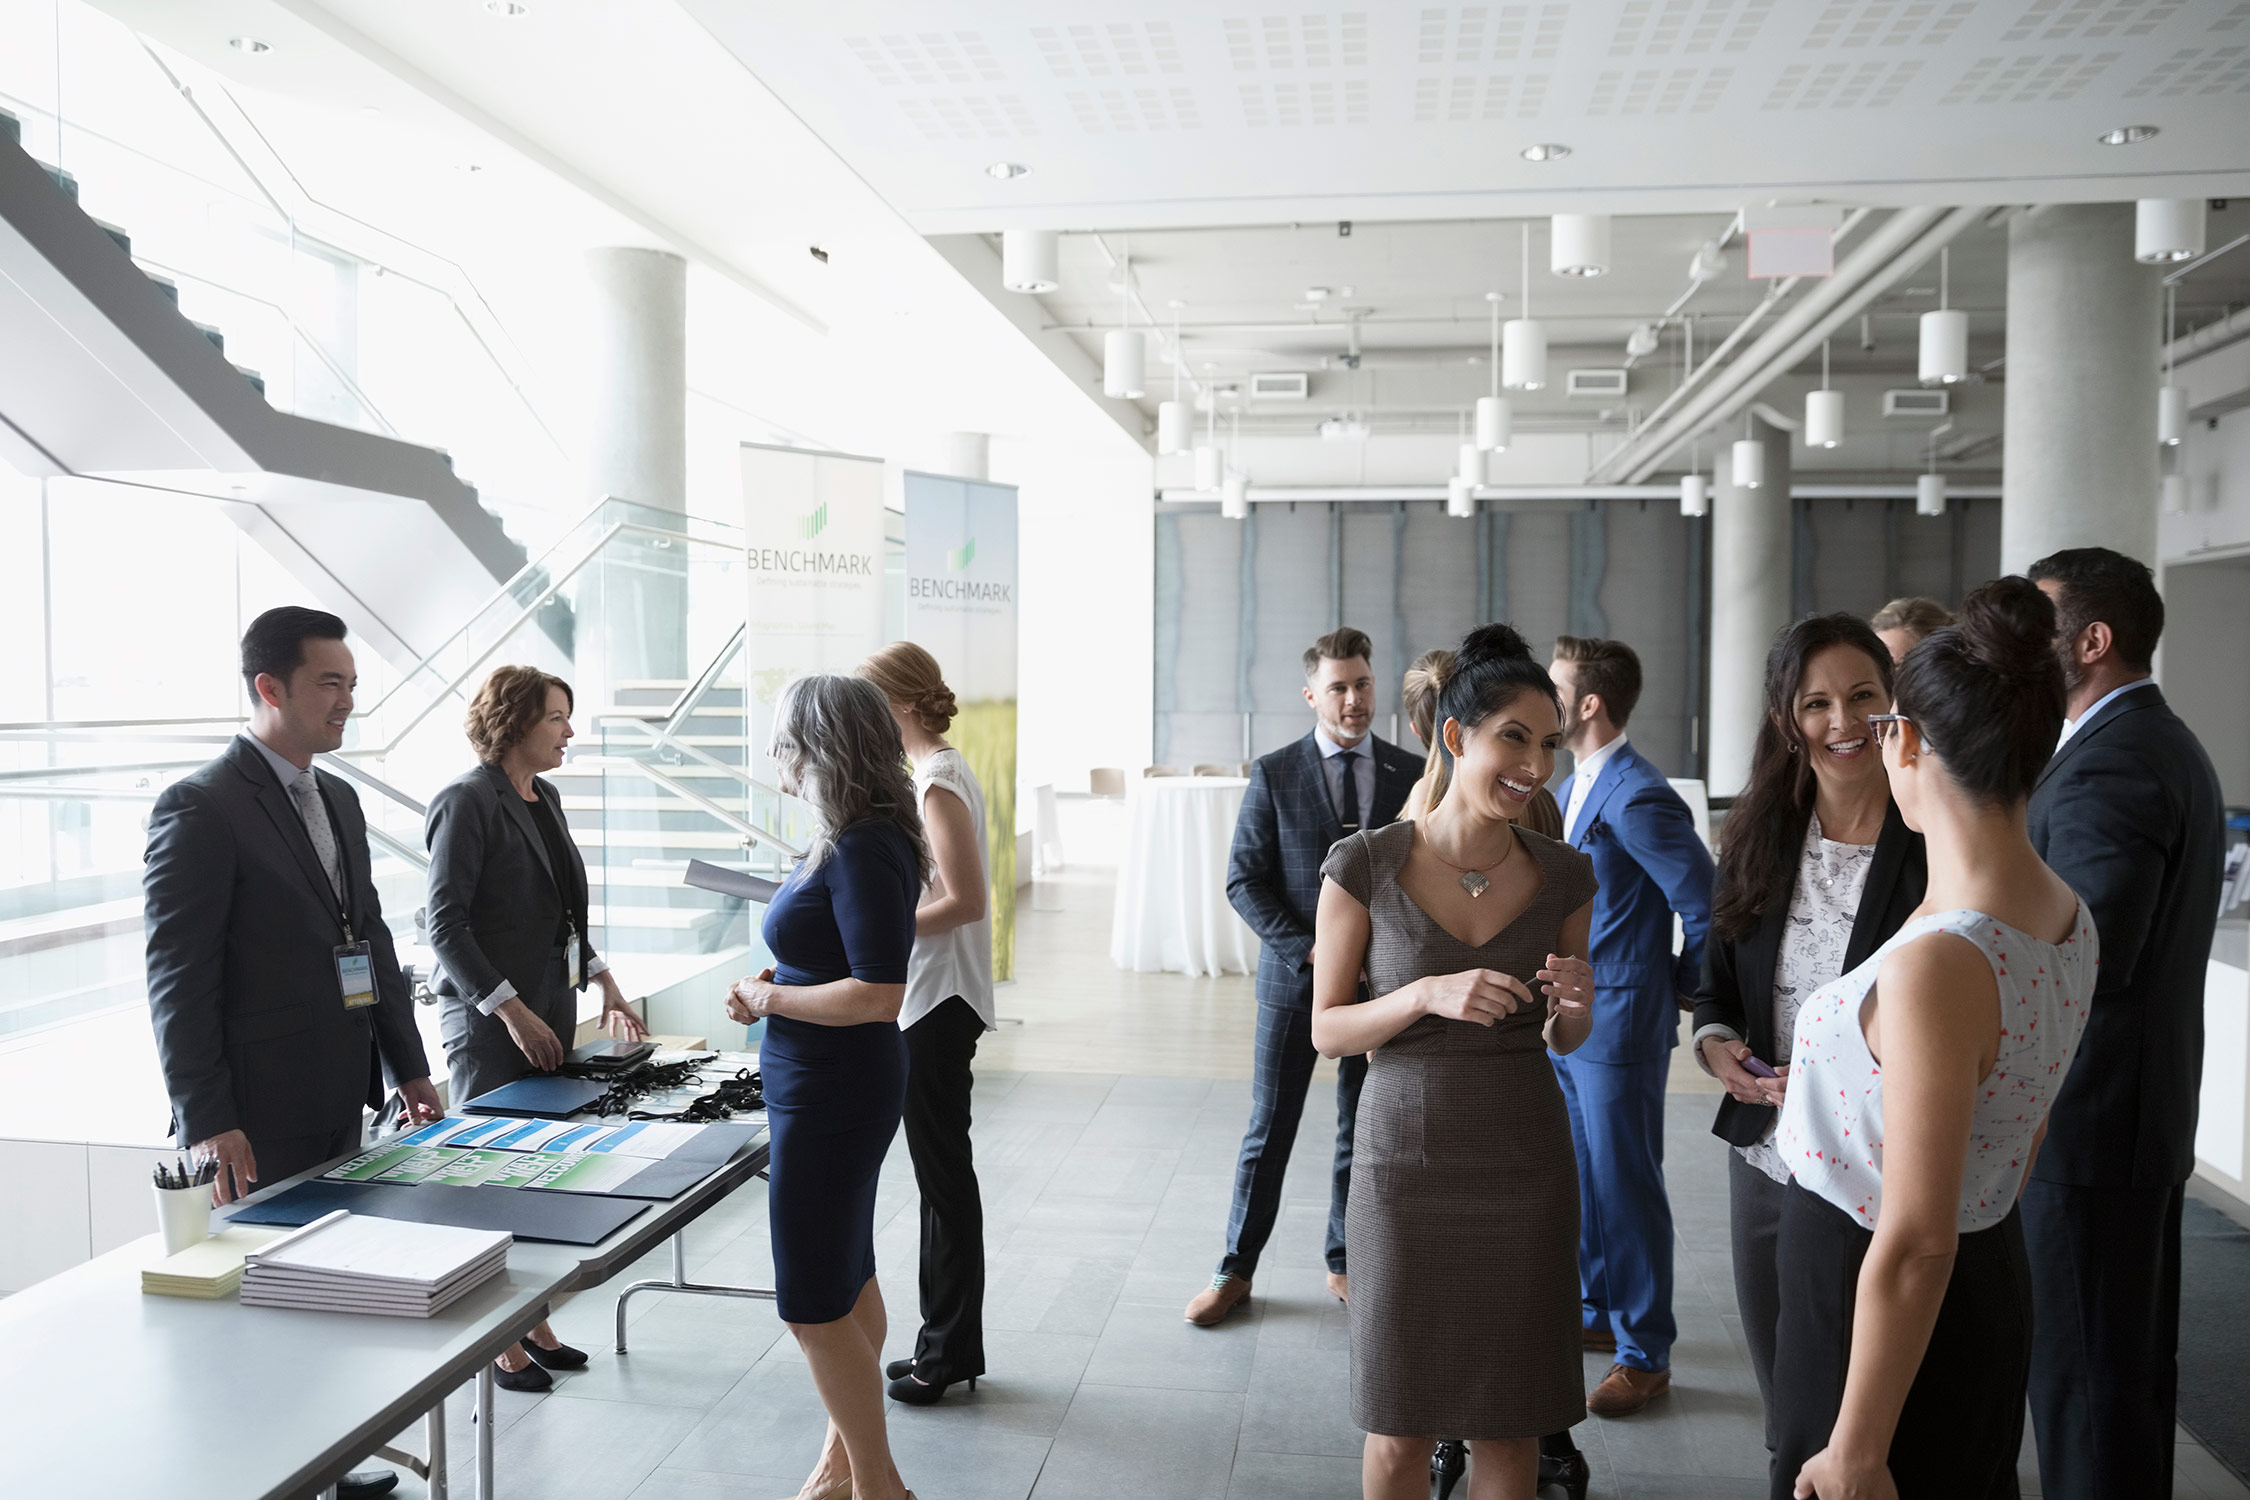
pixel 209 1270
pixel 346 1262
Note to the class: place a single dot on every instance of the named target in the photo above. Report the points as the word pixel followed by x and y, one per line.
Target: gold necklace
pixel 1472 881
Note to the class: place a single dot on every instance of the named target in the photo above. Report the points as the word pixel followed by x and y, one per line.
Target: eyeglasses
pixel 1879 725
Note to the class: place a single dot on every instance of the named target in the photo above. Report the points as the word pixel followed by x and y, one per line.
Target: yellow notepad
pixel 209 1270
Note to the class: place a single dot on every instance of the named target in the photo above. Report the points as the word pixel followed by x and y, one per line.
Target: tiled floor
pixel 1105 1194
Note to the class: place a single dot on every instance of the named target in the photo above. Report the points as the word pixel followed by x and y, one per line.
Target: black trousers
pixel 940 1048
pixel 2105 1373
pixel 1962 1424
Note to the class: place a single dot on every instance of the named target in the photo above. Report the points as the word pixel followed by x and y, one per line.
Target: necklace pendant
pixel 1475 884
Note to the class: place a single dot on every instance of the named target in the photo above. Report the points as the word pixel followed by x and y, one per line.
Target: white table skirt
pixel 1172 911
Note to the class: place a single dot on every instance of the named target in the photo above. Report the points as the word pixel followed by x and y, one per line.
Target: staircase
pixel 106 378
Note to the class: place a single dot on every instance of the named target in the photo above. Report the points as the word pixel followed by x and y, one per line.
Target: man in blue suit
pixel 1651 863
pixel 1303 797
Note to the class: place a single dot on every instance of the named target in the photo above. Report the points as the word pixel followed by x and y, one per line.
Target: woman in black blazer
pixel 507 918
pixel 1816 870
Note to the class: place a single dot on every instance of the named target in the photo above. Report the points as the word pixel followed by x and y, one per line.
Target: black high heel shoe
pixel 529 1378
pixel 561 1357
pixel 898 1369
pixel 908 1391
pixel 1571 1474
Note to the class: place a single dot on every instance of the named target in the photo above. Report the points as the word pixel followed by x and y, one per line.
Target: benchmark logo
pixel 814 523
pixel 963 590
pixel 960 557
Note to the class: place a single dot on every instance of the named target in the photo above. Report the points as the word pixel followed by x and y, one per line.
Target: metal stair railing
pixel 748 831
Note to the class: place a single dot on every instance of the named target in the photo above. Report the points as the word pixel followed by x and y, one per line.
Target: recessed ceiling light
pixel 250 45
pixel 1545 151
pixel 1003 171
pixel 508 10
pixel 2127 135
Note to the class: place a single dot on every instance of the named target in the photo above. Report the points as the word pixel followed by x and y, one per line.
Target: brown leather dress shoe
pixel 1598 1340
pixel 1626 1390
pixel 1214 1302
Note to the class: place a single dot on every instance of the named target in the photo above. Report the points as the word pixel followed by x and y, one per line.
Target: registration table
pixel 105 1390
pixel 1172 912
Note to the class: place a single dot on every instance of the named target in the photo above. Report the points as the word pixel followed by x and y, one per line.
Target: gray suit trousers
pixel 481 1056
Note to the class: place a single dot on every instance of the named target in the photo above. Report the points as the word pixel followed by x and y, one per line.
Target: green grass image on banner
pixel 985 734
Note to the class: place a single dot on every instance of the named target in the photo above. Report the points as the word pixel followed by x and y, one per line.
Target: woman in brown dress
pixel 1463 1220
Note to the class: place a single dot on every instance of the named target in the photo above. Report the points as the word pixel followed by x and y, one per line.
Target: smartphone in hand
pixel 1757 1069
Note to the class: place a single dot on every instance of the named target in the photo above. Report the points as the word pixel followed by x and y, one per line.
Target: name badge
pixel 355 974
pixel 574 961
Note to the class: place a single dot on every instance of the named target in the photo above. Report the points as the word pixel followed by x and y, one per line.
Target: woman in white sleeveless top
pixel 948 1009
pixel 1919 1094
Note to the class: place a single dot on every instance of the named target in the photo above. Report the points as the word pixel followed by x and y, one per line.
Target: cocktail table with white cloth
pixel 1172 912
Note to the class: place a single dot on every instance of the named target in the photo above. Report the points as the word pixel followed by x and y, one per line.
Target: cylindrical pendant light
pixel 1172 427
pixel 2171 414
pixel 1234 496
pixel 1929 494
pixel 1029 260
pixel 2175 494
pixel 1206 466
pixel 1460 498
pixel 1749 464
pixel 1945 334
pixel 1472 471
pixel 1695 495
pixel 1578 245
pixel 1824 418
pixel 2167 229
pixel 1523 343
pixel 1495 423
pixel 1124 363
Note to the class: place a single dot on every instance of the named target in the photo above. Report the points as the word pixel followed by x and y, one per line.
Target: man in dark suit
pixel 2128 812
pixel 1303 797
pixel 1650 861
pixel 272 983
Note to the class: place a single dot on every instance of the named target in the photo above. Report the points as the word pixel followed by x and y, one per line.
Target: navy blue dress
pixel 834 1093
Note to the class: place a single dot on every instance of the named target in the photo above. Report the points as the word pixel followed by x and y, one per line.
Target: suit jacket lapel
pixel 1318 782
pixel 2147 695
pixel 1756 976
pixel 282 809
pixel 1391 786
pixel 1891 846
pixel 519 813
pixel 1605 782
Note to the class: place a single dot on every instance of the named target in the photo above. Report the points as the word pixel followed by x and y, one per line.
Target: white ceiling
pixel 1170 115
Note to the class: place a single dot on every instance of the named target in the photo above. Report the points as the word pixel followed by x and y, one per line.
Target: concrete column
pixel 966 455
pixel 636 430
pixel 633 602
pixel 2081 468
pixel 1750 585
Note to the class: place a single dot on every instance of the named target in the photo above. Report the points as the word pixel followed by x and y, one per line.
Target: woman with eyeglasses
pixel 841 931
pixel 1816 869
pixel 1919 1094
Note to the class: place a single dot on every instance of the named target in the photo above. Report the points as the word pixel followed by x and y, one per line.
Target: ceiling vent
pixel 1292 386
pixel 1596 383
pixel 1917 403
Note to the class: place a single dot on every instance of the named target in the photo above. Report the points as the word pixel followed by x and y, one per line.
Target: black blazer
pixel 2128 812
pixel 1281 836
pixel 250 1025
pixel 1737 987
pixel 496 903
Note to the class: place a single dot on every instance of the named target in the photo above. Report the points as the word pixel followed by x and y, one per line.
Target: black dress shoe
pixel 366 1484
pixel 1570 1474
pixel 529 1378
pixel 898 1369
pixel 561 1357
pixel 913 1392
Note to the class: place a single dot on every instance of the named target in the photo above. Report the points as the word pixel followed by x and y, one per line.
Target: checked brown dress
pixel 1463 1219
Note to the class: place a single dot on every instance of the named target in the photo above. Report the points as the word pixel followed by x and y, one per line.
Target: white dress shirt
pixel 1363 771
pixel 2070 726
pixel 1589 766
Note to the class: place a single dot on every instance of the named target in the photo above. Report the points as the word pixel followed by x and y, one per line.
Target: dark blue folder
pixel 537 1098
pixel 556 1218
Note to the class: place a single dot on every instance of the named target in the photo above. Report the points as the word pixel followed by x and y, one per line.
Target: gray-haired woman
pixel 840 929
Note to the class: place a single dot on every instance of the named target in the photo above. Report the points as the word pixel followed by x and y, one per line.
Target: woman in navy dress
pixel 834 1063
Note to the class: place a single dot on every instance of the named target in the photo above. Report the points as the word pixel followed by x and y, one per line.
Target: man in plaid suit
pixel 1303 797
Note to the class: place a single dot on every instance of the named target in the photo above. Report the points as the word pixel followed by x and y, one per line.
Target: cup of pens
pixel 183 1202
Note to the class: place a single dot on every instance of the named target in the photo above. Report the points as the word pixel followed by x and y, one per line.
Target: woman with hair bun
pixel 948 1010
pixel 1463 1218
pixel 1920 1092
pixel 1425 679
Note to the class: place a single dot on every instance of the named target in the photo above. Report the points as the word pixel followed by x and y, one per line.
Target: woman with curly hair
pixel 841 931
pixel 507 915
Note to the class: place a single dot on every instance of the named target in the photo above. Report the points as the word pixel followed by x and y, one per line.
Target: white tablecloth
pixel 1172 911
